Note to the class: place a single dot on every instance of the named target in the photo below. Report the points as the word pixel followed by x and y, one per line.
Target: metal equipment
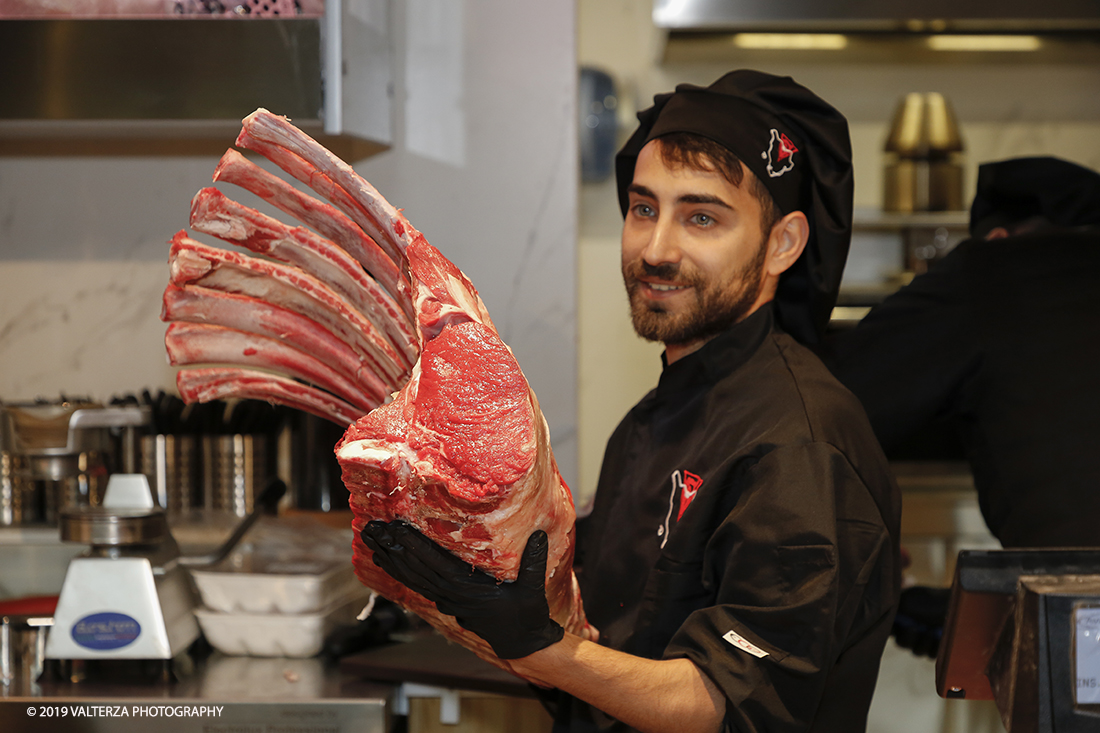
pixel 1023 629
pixel 129 597
pixel 57 455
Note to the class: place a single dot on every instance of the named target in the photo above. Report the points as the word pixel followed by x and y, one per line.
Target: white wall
pixel 507 214
pixel 483 163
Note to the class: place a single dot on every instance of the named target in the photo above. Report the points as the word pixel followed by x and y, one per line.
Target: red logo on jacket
pixel 689 487
pixel 685 485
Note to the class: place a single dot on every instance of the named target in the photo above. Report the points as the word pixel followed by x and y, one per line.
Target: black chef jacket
pixel 1000 342
pixel 746 519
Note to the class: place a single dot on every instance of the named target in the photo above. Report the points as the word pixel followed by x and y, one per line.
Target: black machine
pixel 1023 629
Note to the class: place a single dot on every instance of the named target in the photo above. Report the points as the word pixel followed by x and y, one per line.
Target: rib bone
pixel 196 304
pixel 326 219
pixel 216 383
pixel 215 214
pixel 202 343
pixel 304 158
pixel 192 262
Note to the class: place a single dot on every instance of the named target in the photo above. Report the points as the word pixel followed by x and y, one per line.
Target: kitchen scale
pixel 128 597
pixel 126 605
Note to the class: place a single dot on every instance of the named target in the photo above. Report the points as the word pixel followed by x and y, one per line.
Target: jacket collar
pixel 719 357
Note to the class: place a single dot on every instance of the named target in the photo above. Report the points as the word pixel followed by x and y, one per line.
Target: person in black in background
pixel 998 345
pixel 741 558
pixel 1000 341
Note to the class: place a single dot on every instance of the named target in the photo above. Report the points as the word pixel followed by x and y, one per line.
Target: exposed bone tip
pixel 196 201
pixel 262 112
pixel 229 157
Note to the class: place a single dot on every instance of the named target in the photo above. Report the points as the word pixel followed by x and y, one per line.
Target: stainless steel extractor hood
pixel 869 15
pixel 864 31
pixel 133 81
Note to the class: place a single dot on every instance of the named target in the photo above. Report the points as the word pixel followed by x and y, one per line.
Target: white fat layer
pixel 464 308
pixel 364 450
pixel 412 387
pixel 466 302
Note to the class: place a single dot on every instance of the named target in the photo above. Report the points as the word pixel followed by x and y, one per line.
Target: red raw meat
pixel 462 451
pixel 463 454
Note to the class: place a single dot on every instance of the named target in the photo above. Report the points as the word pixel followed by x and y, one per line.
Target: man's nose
pixel 663 246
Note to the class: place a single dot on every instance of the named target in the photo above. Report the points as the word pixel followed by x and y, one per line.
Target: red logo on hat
pixel 780 155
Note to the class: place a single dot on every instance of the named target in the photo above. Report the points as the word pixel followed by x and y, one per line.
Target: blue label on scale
pixel 105 631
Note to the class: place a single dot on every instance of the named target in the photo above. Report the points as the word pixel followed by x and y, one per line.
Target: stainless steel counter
pixel 222 695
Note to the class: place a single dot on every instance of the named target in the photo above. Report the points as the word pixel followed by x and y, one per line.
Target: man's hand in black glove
pixel 513 618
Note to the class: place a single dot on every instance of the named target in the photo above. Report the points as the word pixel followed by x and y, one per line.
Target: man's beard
pixel 718 305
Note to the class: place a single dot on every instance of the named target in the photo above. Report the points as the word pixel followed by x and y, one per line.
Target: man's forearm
pixel 650 695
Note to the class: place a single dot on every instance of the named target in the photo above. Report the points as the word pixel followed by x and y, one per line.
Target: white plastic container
pixel 288 565
pixel 277 586
pixel 274 634
pixel 282 592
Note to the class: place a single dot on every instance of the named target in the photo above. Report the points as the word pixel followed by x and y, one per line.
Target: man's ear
pixel 785 244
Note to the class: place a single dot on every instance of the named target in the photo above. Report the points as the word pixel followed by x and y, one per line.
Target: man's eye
pixel 643 210
pixel 703 220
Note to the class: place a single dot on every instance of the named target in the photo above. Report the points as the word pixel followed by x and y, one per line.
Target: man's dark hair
pixel 703 154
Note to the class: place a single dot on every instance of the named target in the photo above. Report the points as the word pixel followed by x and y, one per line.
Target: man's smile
pixel 664 287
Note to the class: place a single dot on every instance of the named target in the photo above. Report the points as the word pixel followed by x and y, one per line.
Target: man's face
pixel 693 251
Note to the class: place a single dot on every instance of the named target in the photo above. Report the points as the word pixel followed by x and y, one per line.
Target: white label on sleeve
pixel 1088 655
pixel 744 644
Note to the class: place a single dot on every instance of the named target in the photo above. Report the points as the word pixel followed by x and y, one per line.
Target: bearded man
pixel 741 558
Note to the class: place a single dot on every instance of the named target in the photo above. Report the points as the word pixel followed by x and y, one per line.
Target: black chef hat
pixel 1014 190
pixel 798 146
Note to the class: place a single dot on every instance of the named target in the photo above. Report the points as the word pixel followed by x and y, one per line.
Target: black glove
pixel 513 618
pixel 919 623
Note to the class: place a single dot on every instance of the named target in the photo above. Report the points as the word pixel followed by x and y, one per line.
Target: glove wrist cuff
pixel 516 648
